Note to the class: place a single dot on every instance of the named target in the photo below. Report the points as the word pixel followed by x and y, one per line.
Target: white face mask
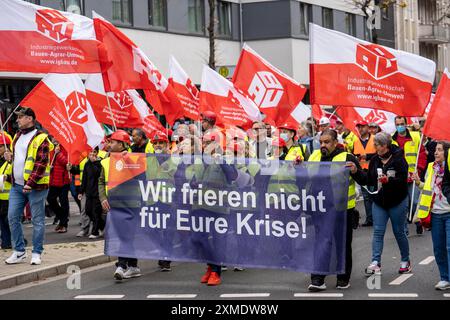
pixel 285 137
pixel 158 150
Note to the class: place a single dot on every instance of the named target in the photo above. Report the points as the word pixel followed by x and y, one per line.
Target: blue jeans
pixel 440 233
pixel 367 205
pixel 381 216
pixel 17 203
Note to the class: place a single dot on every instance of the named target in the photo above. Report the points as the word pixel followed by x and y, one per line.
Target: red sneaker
pixel 206 276
pixel 214 279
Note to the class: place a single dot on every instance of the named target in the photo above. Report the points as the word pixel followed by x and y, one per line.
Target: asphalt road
pixel 98 282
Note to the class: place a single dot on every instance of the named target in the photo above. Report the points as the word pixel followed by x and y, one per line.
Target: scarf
pixel 26 130
pixel 438 177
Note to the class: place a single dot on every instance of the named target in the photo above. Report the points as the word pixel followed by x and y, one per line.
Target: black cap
pixel 26 112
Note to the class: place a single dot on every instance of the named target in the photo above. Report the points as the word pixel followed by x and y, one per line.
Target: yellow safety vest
pixel 105 165
pixel 411 150
pixel 341 157
pixel 149 147
pixel 79 178
pixel 294 152
pixel 33 147
pixel 426 196
pixel 349 141
pixel 5 169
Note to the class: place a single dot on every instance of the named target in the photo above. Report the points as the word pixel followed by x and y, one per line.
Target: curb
pixel 52 271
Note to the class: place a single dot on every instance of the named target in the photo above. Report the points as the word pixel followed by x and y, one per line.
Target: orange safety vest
pixel 358 149
pixel 77 181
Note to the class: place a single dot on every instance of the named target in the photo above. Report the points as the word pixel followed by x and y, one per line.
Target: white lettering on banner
pixel 367 89
pixel 160 192
pixel 265 90
pixel 266 227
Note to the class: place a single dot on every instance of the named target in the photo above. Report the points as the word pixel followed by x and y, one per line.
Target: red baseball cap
pixel 362 123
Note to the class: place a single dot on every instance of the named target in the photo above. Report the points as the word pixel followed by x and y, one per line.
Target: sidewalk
pixel 60 252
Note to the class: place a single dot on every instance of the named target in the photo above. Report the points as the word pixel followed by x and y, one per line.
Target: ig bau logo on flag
pixel 54 25
pixel 123 100
pixel 265 90
pixel 76 108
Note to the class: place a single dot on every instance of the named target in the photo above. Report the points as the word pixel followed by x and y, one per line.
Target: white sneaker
pixel 119 274
pixel 81 234
pixel 373 268
pixel 93 236
pixel 442 285
pixel 35 259
pixel 132 272
pixel 16 257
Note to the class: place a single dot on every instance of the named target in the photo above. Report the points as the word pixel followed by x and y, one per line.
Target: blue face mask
pixel 401 129
pixel 284 136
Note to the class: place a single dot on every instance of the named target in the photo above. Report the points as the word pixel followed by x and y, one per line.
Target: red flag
pixel 275 93
pixel 152 97
pixel 187 93
pixel 152 124
pixel 347 71
pixel 436 125
pixel 231 106
pixel 123 112
pixel 60 104
pixel 351 116
pixel 317 111
pixel 132 69
pixel 41 40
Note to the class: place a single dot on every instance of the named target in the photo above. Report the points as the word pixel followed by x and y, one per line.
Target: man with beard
pixel 331 150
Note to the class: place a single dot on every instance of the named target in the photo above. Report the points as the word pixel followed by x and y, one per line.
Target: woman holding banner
pixel 387 183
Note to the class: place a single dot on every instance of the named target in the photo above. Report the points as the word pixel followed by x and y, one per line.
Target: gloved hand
pixel 383 179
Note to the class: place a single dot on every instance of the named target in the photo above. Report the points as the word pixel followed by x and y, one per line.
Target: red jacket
pixel 59 176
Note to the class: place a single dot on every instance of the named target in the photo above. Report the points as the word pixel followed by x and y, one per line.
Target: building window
pixel 157 13
pixel 32 1
pixel 327 18
pixel 305 18
pixel 349 24
pixel 121 11
pixel 196 12
pixel 385 13
pixel 224 17
pixel 74 6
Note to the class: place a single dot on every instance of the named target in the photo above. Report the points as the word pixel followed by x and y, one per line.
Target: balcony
pixel 435 34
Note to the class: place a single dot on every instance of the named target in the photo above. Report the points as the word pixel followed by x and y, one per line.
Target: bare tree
pixel 212 34
pixel 367 8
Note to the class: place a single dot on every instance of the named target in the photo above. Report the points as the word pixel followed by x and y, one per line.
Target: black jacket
pixel 446 181
pixel 396 189
pixel 91 174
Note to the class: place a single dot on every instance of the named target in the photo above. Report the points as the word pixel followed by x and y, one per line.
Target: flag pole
pixel 110 111
pixel 3 133
pixel 414 184
pixel 9 117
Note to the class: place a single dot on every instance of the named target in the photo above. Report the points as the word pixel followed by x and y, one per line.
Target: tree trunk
pixel 211 34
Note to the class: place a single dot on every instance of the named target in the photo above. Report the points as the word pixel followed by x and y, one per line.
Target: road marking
pixel 245 295
pixel 171 296
pixel 446 295
pixel 428 260
pixel 401 279
pixel 100 296
pixel 393 295
pixel 318 295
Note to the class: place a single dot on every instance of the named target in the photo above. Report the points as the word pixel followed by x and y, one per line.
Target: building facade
pixel 277 29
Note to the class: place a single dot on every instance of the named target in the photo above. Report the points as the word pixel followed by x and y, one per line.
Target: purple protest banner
pixel 248 213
